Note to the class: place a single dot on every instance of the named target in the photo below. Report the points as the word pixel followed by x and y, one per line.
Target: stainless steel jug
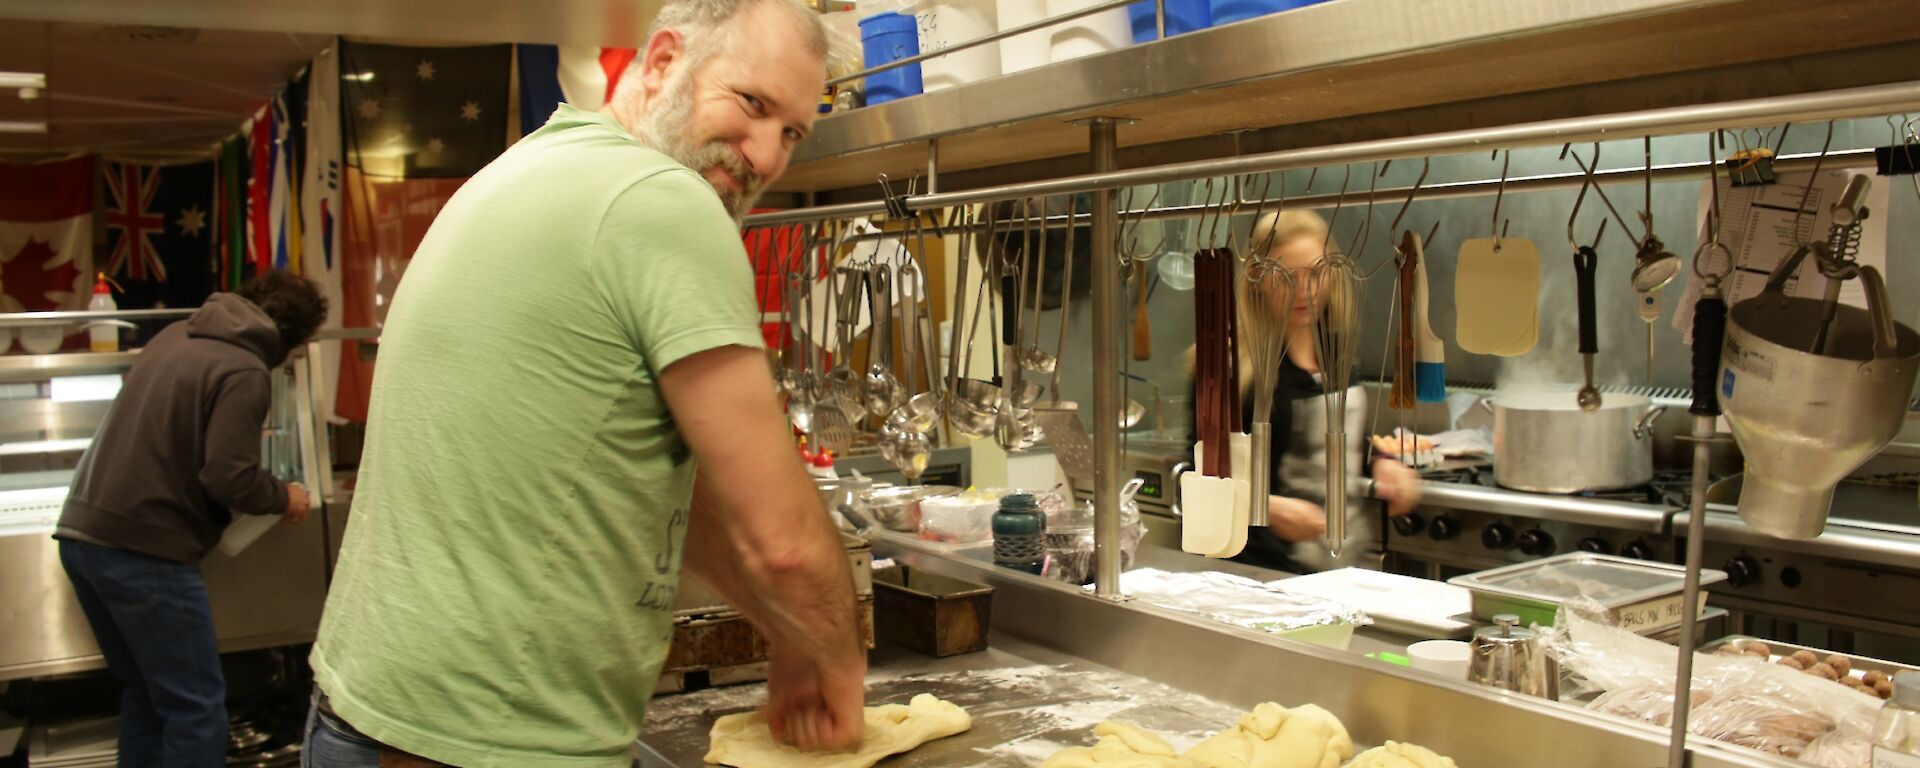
pixel 1510 657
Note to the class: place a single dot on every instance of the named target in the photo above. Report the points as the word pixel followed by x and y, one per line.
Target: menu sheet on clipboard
pixel 1758 228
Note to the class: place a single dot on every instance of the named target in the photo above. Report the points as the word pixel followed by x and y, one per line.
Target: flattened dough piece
pixel 1272 736
pixel 1120 746
pixel 1396 755
pixel 743 741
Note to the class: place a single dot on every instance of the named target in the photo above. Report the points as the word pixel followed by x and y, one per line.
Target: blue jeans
pixel 155 627
pixel 332 743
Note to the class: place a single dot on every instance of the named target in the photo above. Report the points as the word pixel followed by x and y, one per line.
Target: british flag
pixel 129 213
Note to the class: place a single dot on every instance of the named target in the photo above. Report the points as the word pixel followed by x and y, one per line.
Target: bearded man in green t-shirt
pixel 571 403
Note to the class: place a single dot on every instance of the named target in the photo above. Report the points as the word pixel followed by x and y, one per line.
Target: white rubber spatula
pixel 1240 449
pixel 1496 296
pixel 1206 509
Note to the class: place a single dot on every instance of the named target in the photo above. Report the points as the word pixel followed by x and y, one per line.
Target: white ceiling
pixel 159 79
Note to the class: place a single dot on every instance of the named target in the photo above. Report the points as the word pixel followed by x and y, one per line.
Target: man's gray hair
pixel 704 25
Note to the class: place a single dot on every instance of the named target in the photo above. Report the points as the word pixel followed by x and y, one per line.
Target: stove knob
pixel 1536 543
pixel 1497 536
pixel 1443 528
pixel 1742 570
pixel 1409 524
pixel 1596 545
pixel 1638 550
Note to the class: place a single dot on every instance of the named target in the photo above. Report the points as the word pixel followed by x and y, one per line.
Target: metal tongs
pixel 1838 260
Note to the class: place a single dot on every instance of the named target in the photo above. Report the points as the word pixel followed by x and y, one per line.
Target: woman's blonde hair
pixel 1254 314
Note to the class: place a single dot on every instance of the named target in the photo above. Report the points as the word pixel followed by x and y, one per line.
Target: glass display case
pixel 266 595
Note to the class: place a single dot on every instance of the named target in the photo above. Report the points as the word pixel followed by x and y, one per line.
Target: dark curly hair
pixel 294 303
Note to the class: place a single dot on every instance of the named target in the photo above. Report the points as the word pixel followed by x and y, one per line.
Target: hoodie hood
pixel 234 320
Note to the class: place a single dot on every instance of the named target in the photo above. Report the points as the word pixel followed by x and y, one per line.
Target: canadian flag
pixel 46 235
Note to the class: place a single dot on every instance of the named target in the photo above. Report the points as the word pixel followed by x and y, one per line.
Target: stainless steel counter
pixel 1027 703
pixel 1063 659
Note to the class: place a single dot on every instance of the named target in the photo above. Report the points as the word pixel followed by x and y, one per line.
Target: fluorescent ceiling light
pixel 358 77
pixel 23 79
pixel 23 126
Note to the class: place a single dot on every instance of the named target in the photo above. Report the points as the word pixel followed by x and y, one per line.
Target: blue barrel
pixel 889 37
pixel 1182 16
pixel 1230 11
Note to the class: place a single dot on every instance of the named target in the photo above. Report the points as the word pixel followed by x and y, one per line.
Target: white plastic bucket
pixel 1024 51
pixel 952 22
pixel 1087 35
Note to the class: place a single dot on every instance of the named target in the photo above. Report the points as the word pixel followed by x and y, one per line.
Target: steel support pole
pixel 1104 141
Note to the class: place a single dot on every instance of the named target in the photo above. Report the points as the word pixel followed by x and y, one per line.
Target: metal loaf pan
pixel 1634 594
pixel 937 615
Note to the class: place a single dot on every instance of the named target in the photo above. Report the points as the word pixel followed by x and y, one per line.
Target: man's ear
pixel 664 49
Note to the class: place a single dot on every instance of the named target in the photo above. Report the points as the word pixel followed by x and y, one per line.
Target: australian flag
pixel 161 232
pixel 423 113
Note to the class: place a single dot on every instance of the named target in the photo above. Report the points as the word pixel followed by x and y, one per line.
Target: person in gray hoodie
pixel 177 456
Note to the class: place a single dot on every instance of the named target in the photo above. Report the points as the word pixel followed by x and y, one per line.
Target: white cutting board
pixel 1403 604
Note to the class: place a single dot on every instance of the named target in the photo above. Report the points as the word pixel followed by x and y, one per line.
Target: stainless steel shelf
pixel 1334 60
pixel 36 367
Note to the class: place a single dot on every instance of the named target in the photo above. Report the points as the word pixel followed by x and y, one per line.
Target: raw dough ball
pixel 743 740
pixel 1873 677
pixel 1758 649
pixel 1884 688
pixel 1806 658
pixel 1840 664
pixel 1825 670
pixel 1272 736
pixel 1792 662
pixel 1120 746
pixel 1397 755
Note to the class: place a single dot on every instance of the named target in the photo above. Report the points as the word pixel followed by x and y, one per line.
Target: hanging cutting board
pixel 1497 296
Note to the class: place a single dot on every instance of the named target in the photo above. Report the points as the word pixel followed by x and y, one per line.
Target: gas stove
pixel 1468 523
pixel 1834 591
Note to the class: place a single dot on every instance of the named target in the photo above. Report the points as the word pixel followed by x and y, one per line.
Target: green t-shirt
pixel 506 586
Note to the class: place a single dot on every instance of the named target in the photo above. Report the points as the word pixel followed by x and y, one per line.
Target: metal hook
pixel 1425 165
pixel 1800 210
pixel 1590 171
pixel 1712 279
pixel 1233 211
pixel 1258 243
pixel 1219 211
pixel 1338 203
pixel 1130 232
pixel 1500 193
pixel 1586 181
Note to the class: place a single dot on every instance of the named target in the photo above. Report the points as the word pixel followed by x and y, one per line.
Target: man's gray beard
pixel 664 128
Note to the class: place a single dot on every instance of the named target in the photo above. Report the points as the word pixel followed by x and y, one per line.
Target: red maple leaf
pixel 28 280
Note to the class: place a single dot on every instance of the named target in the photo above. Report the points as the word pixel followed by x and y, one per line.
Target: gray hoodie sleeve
pixel 231 471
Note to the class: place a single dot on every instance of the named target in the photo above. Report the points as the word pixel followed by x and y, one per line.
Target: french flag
pixel 582 76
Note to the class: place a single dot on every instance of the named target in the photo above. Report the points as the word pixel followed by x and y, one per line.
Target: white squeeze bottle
pixel 105 336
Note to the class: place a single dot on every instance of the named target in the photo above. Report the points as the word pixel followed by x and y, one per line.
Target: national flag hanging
pixel 46 235
pixel 279 187
pixel 160 233
pixel 231 194
pixel 582 76
pixel 417 122
pixel 320 208
pixel 260 132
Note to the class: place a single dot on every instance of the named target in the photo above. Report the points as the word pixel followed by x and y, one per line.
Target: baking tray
pixel 1637 595
pixel 1860 663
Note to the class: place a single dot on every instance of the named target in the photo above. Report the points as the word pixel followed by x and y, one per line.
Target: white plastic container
pixel 1023 51
pixel 952 22
pixel 1087 35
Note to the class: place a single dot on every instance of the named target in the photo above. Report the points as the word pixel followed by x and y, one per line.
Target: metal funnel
pixel 1806 421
